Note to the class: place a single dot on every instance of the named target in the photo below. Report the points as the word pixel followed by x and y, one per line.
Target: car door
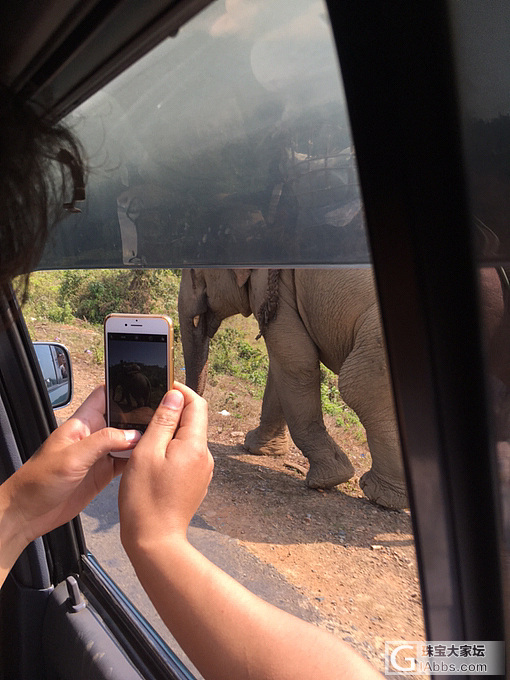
pixel 62 616
pixel 401 89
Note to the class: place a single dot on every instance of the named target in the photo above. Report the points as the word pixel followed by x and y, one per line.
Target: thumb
pixel 164 422
pixel 90 449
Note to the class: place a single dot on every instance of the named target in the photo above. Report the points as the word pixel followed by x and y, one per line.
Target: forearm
pixel 59 479
pixel 230 633
pixel 12 537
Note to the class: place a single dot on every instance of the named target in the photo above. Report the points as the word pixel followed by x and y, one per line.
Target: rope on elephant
pixel 268 308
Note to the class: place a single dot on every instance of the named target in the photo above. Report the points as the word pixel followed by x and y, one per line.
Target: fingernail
pixel 173 400
pixel 132 435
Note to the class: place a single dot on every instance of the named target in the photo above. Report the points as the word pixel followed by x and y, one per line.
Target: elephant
pixel 130 388
pixel 306 316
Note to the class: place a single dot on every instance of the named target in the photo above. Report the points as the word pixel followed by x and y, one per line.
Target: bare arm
pixel 56 483
pixel 227 631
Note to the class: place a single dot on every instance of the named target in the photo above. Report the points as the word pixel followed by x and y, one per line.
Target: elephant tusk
pixel 196 321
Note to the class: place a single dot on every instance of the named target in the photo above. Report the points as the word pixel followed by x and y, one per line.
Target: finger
pixel 164 422
pixel 89 450
pixel 88 418
pixel 119 465
pixel 194 416
pixel 186 391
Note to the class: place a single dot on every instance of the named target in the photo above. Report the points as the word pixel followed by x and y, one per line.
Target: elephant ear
pixel 242 276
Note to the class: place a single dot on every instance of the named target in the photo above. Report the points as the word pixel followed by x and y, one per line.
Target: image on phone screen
pixel 137 377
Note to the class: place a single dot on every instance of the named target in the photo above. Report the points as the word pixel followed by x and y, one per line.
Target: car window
pixel 229 146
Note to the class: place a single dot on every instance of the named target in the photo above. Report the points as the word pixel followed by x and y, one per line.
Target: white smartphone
pixel 139 368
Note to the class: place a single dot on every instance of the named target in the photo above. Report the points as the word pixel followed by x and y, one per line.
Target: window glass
pixel 482 51
pixel 228 144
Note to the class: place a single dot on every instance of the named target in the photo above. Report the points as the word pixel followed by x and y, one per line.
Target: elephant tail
pixel 268 308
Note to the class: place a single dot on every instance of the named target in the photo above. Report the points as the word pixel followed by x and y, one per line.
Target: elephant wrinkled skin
pixel 328 316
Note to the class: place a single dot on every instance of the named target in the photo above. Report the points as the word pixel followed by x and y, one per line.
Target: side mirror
pixel 55 364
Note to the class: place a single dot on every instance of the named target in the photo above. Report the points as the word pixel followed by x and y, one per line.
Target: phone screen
pixel 137 377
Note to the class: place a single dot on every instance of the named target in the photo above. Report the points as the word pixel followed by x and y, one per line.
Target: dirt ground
pixel 354 560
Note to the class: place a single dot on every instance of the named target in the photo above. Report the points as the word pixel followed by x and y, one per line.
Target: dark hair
pixel 39 165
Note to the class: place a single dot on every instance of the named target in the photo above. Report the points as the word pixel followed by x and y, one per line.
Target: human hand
pixel 167 476
pixel 68 471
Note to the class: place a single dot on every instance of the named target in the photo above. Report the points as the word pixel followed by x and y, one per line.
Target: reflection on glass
pixel 228 144
pixel 481 50
pixel 481 42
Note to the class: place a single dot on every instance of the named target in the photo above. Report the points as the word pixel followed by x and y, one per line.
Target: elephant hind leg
pixel 382 491
pixel 329 465
pixel 364 384
pixel 262 443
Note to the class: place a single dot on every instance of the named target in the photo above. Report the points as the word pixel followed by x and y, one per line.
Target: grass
pixel 231 354
pixel 333 404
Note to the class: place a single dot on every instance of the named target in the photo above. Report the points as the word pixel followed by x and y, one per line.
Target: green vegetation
pixel 230 353
pixel 92 294
pixel 332 403
pixel 78 296
pixel 44 301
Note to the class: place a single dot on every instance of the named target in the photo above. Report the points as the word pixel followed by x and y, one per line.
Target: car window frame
pixel 419 226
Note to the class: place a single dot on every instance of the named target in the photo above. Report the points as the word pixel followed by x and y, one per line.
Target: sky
pixel 149 353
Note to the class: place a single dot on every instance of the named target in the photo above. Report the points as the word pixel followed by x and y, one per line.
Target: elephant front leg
pixel 296 375
pixel 270 438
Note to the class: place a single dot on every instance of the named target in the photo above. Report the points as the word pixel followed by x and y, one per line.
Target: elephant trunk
pixel 195 346
pixel 198 323
pixel 198 381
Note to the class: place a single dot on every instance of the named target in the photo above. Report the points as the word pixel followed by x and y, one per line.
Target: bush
pixel 131 292
pixel 43 300
pixel 108 292
pixel 93 294
pixel 230 354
